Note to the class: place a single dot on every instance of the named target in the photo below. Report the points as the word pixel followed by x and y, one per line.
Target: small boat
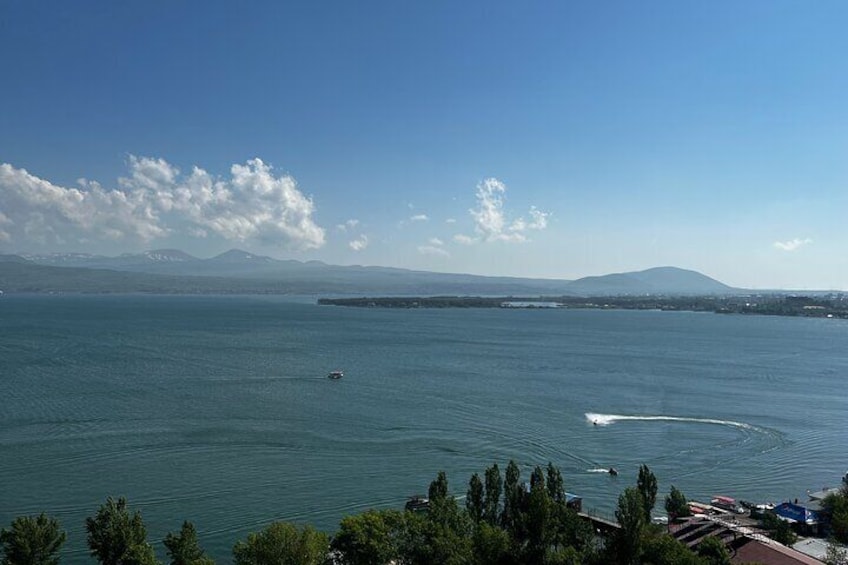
pixel 613 471
pixel 417 503
pixel 335 375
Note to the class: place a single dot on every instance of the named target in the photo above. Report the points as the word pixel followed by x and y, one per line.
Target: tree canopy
pixel 647 486
pixel 503 521
pixel 184 549
pixel 370 537
pixel 32 540
pixel 282 543
pixel 116 537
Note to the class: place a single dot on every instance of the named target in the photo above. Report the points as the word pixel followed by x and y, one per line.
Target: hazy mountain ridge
pixel 237 271
pixel 657 280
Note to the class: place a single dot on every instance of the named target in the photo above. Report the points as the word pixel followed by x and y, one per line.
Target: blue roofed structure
pixel 797 513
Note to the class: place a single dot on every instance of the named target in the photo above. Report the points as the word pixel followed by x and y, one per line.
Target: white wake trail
pixel 608 419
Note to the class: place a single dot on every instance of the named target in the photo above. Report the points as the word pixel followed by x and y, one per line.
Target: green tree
pixel 565 556
pixel 836 507
pixel 184 549
pixel 443 536
pixel 32 540
pixel 714 551
pixel 474 499
pixel 631 517
pixel 676 504
pixel 491 545
pixel 116 537
pixel 282 543
pixel 783 533
pixel 779 530
pixel 370 537
pixel 538 518
pixel 663 549
pixel 570 530
pixel 438 488
pixel 647 485
pixel 556 490
pixel 513 498
pixel 443 508
pixel 494 487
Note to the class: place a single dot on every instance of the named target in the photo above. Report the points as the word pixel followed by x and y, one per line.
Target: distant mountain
pixel 166 255
pixel 12 259
pixel 241 271
pixel 237 256
pixel 130 274
pixel 659 280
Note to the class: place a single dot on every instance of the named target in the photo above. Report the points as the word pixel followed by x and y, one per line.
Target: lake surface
pixel 218 409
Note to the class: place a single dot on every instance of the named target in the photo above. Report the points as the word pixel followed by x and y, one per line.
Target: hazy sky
pixel 541 139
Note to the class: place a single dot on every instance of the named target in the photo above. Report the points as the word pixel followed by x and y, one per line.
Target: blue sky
pixel 549 139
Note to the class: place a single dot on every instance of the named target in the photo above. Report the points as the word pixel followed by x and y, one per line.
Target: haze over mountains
pixel 236 271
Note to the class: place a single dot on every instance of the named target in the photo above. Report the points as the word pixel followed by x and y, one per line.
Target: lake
pixel 219 410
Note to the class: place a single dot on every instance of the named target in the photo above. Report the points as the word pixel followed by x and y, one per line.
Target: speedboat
pixel 335 375
pixel 417 503
pixel 613 471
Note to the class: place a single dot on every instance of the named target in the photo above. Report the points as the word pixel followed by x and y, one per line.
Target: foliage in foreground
pixel 117 537
pixel 836 507
pixel 34 540
pixel 184 549
pixel 282 544
pixel 503 521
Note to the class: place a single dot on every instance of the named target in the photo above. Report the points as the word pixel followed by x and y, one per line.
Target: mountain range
pixel 237 271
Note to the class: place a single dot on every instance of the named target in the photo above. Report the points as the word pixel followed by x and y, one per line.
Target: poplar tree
pixel 494 487
pixel 631 517
pixel 510 516
pixel 474 500
pixel 676 504
pixel 647 485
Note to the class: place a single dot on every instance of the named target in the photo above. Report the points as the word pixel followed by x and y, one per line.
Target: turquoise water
pixel 218 409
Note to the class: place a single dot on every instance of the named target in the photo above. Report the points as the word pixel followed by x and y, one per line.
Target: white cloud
pixel 538 219
pixel 436 241
pixel 433 250
pixel 419 218
pixel 450 221
pixel 4 221
pixel 490 219
pixel 348 225
pixel 792 244
pixel 359 243
pixel 155 200
pixel 489 216
pixel 464 239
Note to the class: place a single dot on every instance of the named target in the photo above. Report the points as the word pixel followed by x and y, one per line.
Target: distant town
pixel 833 305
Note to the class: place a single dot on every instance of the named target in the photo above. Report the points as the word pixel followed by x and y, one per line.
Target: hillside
pixel 237 271
pixel 659 280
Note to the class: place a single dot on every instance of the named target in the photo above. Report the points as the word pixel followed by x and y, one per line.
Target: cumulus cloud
pixel 4 221
pixel 436 241
pixel 433 250
pixel 792 244
pixel 348 225
pixel 155 200
pixel 464 239
pixel 490 219
pixel 419 218
pixel 359 243
pixel 450 221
